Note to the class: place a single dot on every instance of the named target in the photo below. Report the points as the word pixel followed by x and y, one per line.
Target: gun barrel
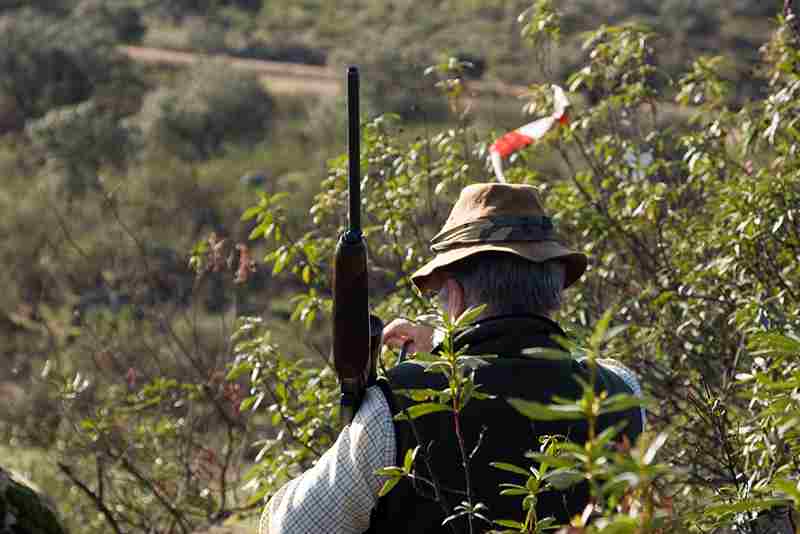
pixel 354 151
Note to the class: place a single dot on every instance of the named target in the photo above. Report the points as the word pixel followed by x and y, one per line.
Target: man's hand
pixel 399 331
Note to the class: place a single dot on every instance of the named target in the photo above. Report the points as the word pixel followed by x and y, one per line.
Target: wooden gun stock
pixel 351 343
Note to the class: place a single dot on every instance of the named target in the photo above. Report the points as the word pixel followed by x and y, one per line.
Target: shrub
pixel 394 81
pixel 38 75
pixel 206 35
pixel 77 141
pixel 210 106
pixel 56 7
pixel 283 51
pixel 49 62
pixel 126 20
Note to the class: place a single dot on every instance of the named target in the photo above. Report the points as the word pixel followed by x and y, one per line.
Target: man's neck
pixel 489 314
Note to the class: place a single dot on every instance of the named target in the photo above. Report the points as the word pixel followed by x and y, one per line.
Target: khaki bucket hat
pixel 497 217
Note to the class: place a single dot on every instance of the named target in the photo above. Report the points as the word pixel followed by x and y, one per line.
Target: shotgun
pixel 356 333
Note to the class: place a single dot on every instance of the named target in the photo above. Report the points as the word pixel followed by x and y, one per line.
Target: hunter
pixel 498 248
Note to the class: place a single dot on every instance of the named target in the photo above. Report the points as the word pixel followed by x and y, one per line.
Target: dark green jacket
pixel 507 435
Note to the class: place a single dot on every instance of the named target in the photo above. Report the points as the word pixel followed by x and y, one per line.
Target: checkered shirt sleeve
pixel 628 376
pixel 339 492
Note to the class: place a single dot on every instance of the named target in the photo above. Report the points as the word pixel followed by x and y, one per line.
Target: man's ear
pixel 455 298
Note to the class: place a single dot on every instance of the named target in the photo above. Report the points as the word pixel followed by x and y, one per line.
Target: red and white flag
pixel 525 135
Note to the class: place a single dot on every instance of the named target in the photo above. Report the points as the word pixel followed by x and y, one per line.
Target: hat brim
pixel 426 279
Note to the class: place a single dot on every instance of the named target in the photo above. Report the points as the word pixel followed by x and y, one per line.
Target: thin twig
pixel 475 449
pixel 464 461
pixel 223 498
pixel 62 224
pixel 92 495
pixel 162 499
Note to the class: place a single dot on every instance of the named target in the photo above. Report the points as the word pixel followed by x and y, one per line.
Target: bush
pixel 282 51
pixel 206 35
pixel 77 141
pixel 178 9
pixel 49 62
pixel 124 19
pixel 394 82
pixel 38 74
pixel 210 106
pixel 246 5
pixel 56 7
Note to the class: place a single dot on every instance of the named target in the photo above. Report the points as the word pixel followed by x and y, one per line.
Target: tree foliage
pixel 49 61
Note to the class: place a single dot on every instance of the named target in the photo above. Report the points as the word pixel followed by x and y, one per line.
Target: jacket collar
pixel 509 335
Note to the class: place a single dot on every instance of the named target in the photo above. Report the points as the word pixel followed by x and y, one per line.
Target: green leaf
pixel 281 261
pixel 388 486
pixel 418 395
pixel 746 505
pixel 249 213
pixel 621 524
pixel 547 412
pixel 546 354
pixel 614 331
pixel 555 461
pixel 247 403
pixel 257 497
pixel 425 357
pixel 439 367
pixel 512 492
pixel 510 468
pixel 391 472
pixel 469 316
pixel 620 402
pixel 411 455
pixel 471 362
pixel 509 523
pixel 418 410
pixel 790 488
pixel 653 448
pixel 601 328
pixel 564 477
pixel 778 344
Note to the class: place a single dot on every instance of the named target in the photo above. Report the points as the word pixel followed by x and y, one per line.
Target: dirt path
pixel 290 78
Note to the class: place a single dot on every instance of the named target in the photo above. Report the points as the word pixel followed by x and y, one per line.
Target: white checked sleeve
pixel 628 376
pixel 339 492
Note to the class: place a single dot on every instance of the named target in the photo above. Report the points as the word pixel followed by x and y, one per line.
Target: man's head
pixel 506 284
pixel 500 249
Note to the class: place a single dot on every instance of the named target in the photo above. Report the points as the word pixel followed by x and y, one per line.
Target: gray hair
pixel 508 284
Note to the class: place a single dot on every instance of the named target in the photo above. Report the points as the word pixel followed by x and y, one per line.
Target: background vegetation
pixel 162 372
